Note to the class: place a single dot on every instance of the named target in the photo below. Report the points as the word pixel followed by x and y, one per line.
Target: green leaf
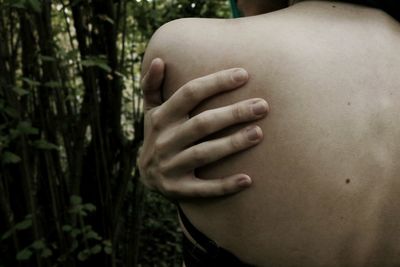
pixel 108 250
pixel 67 228
pixel 4 142
pixel 75 232
pixel 96 62
pixel 76 209
pixel 106 18
pixel 73 54
pixel 53 84
pixel 107 243
pixel 39 245
pixel 75 200
pixel 76 2
pixel 35 5
pixel 31 82
pixel 83 255
pixel 7 234
pixel 12 112
pixel 82 213
pixel 93 235
pixel 18 5
pixel 24 255
pixel 120 74
pixel 46 253
pixel 25 127
pixel 107 247
pixel 24 224
pixel 74 245
pixel 89 207
pixel 104 66
pixel 87 228
pixel 9 157
pixel 43 144
pixel 14 133
pixel 96 249
pixel 19 91
pixel 47 58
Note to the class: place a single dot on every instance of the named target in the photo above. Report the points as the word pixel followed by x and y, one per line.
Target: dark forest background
pixel 70 129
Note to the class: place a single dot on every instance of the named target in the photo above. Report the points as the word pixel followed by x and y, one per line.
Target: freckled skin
pixel 325 178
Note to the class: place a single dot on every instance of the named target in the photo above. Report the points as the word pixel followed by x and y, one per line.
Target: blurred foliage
pixel 161 236
pixel 70 129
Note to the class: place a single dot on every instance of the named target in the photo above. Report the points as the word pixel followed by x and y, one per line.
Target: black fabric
pixel 205 253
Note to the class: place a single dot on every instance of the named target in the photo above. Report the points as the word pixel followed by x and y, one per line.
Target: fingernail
pixel 253 133
pixel 154 61
pixel 244 181
pixel 240 75
pixel 259 107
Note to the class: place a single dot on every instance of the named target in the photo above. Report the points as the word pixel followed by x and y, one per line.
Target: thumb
pixel 151 84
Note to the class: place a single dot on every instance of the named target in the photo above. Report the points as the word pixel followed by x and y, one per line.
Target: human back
pixel 325 189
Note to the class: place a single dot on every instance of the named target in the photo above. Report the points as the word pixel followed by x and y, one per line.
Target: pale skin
pixel 187 185
pixel 166 162
pixel 325 188
pixel 177 184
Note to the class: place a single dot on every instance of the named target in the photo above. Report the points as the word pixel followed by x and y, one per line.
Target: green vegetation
pixel 70 130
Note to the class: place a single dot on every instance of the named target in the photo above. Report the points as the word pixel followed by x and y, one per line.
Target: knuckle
pixel 152 175
pixel 159 145
pixel 236 142
pixel 200 124
pixel 198 156
pixel 222 79
pixel 163 168
pixel 156 121
pixel 147 180
pixel 155 168
pixel 168 189
pixel 189 91
pixel 237 112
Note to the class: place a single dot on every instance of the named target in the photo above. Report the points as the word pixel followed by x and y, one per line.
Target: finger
pixel 191 94
pixel 193 187
pixel 211 151
pixel 214 120
pixel 151 84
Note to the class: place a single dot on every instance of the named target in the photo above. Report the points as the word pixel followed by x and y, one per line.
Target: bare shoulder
pixel 180 38
pixel 330 75
pixel 291 38
pixel 194 47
